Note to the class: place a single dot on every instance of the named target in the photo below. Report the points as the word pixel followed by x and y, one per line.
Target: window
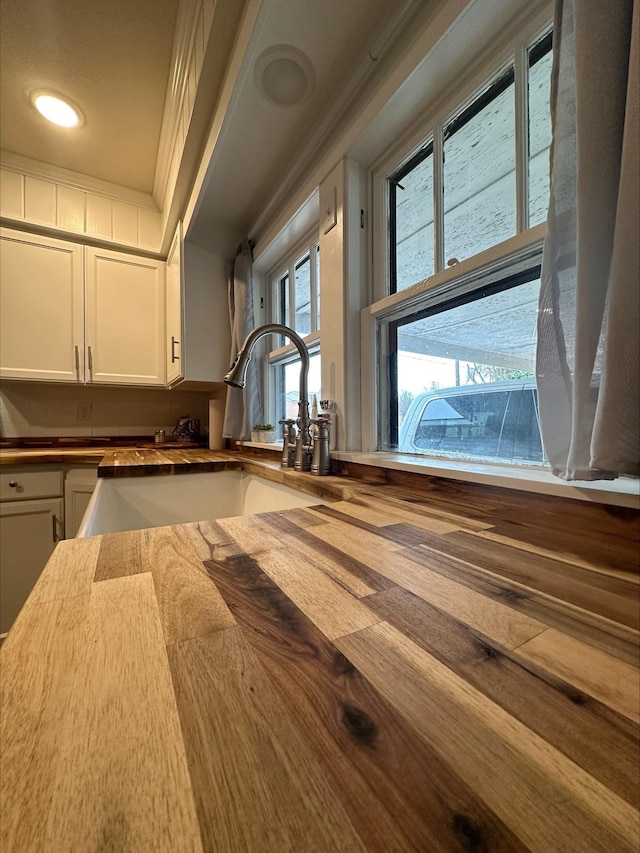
pixel 295 302
pixel 462 192
pixel 479 173
pixel 456 353
pixel 463 383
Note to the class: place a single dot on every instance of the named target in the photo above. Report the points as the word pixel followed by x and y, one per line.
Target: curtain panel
pixel 589 320
pixel 244 407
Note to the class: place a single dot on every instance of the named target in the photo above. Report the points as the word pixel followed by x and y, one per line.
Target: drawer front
pixel 26 485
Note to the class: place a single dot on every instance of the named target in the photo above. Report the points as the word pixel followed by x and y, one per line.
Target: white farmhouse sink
pixel 134 503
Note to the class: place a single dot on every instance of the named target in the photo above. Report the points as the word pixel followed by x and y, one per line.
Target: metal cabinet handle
pixel 90 353
pixel 77 353
pixel 55 527
pixel 13 484
pixel 174 357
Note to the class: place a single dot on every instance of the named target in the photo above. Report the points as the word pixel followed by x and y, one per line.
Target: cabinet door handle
pixel 55 527
pixel 77 352
pixel 174 357
pixel 90 360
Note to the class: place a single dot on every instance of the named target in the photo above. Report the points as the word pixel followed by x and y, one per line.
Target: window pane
pixel 412 198
pixel 282 300
pixel 479 179
pixel 466 379
pixel 303 296
pixel 288 386
pixel 539 137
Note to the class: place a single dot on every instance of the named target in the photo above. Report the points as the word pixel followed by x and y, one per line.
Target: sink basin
pixel 138 502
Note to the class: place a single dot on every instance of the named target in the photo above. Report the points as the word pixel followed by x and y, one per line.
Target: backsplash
pixel 39 410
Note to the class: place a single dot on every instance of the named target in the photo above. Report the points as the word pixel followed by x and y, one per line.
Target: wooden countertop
pixel 68 454
pixel 398 671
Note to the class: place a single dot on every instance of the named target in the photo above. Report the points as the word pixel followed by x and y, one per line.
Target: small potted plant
pixel 263 433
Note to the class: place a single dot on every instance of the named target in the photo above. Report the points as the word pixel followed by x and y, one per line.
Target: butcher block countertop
pixel 405 669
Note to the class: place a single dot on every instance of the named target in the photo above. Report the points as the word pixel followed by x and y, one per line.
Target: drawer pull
pixel 13 484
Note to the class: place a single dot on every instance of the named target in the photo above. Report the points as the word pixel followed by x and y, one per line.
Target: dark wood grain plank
pixel 584 624
pixel 346 570
pixel 612 598
pixel 258 787
pixel 394 788
pixel 599 740
pixel 546 799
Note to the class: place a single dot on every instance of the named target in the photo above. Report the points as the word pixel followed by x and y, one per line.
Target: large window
pixel 295 302
pixel 463 192
pixel 456 351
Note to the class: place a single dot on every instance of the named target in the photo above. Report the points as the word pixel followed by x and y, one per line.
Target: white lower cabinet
pixel 31 522
pixel 79 485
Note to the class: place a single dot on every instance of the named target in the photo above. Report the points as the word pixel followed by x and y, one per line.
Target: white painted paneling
pixel 149 229
pixel 99 216
pixel 70 213
pixel 11 194
pixel 124 223
pixel 40 201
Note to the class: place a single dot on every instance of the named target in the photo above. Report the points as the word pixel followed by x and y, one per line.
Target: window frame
pixel 522 251
pixel 507 260
pixel 287 353
pixel 430 131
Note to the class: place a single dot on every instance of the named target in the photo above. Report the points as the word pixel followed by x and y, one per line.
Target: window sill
pixel 275 445
pixel 621 492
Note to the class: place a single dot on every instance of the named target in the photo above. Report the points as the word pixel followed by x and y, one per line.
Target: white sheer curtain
pixel 588 366
pixel 244 407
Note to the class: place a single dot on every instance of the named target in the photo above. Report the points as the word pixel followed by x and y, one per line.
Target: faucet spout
pixel 237 377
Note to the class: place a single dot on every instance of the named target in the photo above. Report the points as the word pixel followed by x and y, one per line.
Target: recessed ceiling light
pixel 56 109
pixel 284 75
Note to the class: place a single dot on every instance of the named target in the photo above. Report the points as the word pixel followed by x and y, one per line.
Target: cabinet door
pixel 41 308
pixel 175 361
pixel 77 494
pixel 125 319
pixel 29 531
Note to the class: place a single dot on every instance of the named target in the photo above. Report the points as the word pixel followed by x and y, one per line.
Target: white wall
pixel 45 410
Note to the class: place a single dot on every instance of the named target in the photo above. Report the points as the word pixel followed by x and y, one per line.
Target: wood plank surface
pixel 600 741
pixel 396 790
pixel 534 777
pixel 418 667
pixel 39 661
pixel 259 787
pixel 122 781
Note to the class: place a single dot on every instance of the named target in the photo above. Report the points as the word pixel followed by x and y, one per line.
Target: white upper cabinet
pixel 41 308
pixel 125 315
pixel 74 314
pixel 175 370
pixel 198 335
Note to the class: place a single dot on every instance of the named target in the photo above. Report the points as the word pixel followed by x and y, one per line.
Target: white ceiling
pixel 113 59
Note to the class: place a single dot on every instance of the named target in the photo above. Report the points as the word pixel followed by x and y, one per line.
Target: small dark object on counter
pixel 187 429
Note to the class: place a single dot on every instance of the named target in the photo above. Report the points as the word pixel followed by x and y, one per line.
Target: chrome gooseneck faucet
pixel 237 378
